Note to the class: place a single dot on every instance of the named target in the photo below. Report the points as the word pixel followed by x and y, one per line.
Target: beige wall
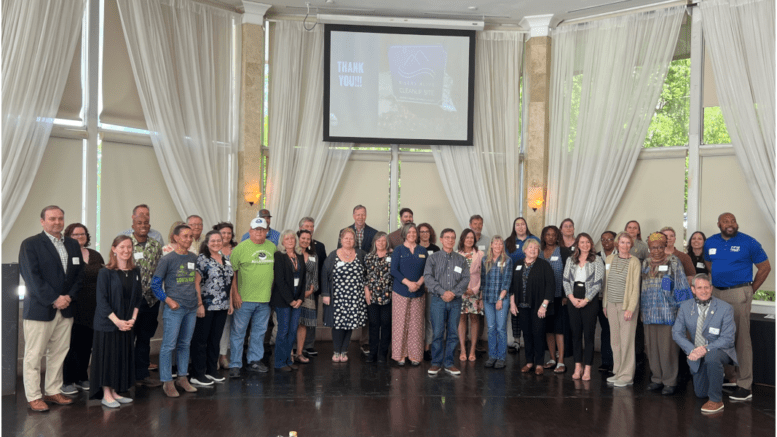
pixel 654 196
pixel 131 176
pixel 365 183
pixel 58 182
pixel 422 191
pixel 723 189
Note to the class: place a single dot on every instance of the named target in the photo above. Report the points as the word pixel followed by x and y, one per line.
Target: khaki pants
pixel 663 354
pixel 740 299
pixel 622 335
pixel 49 339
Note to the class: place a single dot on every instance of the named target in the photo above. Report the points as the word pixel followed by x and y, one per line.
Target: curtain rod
pixel 605 15
pixel 311 19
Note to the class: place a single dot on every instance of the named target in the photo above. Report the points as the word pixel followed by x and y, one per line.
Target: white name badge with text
pixel 714 331
pixel 699 265
pixel 607 267
pixel 296 282
pixel 76 261
pixel 482 248
pixel 138 255
pixel 388 259
pixel 312 258
pixel 518 268
pixel 340 264
pixel 190 265
pixel 713 251
pixel 457 269
pixel 663 268
pixel 554 258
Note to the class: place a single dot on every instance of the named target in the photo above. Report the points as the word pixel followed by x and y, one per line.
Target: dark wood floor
pixel 360 399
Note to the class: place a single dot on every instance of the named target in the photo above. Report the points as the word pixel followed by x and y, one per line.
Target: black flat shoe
pixel 669 390
pixel 653 386
pixel 370 358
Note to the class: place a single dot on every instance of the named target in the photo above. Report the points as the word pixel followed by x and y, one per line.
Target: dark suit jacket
pixel 320 258
pixel 369 234
pixel 540 285
pixel 719 329
pixel 283 289
pixel 41 269
pixel 110 297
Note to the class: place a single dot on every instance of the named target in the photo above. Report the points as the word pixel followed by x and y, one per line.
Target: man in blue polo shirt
pixel 730 256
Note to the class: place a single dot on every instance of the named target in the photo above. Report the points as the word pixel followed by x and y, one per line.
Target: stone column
pixel 250 154
pixel 537 84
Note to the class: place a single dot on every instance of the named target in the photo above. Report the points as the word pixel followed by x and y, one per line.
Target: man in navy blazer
pixel 364 233
pixel 51 266
pixel 713 348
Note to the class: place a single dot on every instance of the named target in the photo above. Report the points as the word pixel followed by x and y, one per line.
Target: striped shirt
pixel 616 279
pixel 446 271
pixel 59 244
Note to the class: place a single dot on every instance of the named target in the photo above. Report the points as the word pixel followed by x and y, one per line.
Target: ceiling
pixel 491 11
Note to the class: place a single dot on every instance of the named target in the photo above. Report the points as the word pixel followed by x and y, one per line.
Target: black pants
pixel 341 338
pixel 144 329
pixel 533 335
pixel 205 343
pixel 380 330
pixel 582 321
pixel 605 337
pixel 77 359
pixel 517 325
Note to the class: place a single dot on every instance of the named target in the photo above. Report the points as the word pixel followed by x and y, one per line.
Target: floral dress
pixel 379 279
pixel 470 304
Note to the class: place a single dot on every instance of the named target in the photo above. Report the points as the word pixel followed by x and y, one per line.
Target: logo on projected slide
pixel 418 73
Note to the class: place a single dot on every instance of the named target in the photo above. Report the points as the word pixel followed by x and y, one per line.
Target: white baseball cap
pixel 258 223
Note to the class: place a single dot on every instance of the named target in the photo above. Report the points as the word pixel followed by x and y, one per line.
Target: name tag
pixel 501 264
pixel 714 331
pixel 190 265
pixel 228 263
pixel 422 255
pixel 296 282
pixel 663 268
pixel 607 267
pixel 482 248
pixel 388 259
pixel 713 251
pixel 457 269
pixel 312 258
pixel 138 255
pixel 340 263
pixel 430 252
pixel 554 258
pixel 517 268
pixel 76 260
pixel 699 265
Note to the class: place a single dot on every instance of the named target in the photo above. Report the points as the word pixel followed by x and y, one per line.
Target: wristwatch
pixel 545 306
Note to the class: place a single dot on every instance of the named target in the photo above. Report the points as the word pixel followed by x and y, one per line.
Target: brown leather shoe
pixel 58 399
pixel 453 370
pixel 38 405
pixel 149 382
pixel 526 368
pixel 539 370
pixel 169 388
pixel 183 382
pixel 711 407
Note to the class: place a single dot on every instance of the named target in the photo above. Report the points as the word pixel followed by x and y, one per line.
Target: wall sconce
pixel 536 198
pixel 252 193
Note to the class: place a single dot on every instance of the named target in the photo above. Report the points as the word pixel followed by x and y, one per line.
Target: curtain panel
pixel 39 41
pixel 606 77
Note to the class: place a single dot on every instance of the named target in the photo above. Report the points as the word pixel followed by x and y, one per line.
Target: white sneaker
pixel 612 379
pixel 204 383
pixel 620 383
pixel 216 378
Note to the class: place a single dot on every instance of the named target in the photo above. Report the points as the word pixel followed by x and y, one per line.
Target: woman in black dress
pixel 75 370
pixel 118 297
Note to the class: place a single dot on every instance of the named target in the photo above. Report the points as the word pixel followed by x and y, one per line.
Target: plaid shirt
pixel 497 279
pixel 152 252
pixel 59 244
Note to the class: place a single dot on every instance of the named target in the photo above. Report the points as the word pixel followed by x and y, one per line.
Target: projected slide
pixel 398 87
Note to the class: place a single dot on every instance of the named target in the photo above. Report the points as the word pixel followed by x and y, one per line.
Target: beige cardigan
pixel 633 278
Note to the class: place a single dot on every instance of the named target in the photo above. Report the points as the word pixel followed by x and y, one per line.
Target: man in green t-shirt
pixel 252 260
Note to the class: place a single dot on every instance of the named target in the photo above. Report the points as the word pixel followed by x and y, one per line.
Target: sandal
pixel 301 359
pixel 560 368
pixel 527 368
pixel 549 364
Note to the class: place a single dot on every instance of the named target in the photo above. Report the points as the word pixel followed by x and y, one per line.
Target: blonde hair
pixel 285 234
pixel 530 242
pixel 490 254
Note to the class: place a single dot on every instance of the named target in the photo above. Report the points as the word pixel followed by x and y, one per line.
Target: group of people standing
pixel 399 285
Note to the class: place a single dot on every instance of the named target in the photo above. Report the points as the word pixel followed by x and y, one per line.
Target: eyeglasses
pixel 77 235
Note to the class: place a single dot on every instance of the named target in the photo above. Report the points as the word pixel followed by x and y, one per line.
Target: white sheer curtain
pixel 484 179
pixel 39 40
pixel 183 58
pixel 303 171
pixel 740 38
pixel 606 77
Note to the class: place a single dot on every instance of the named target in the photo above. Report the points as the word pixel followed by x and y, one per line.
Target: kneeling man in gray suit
pixel 709 322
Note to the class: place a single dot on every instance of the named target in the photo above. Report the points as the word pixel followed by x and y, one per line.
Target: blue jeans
pixel 258 314
pixel 444 315
pixel 288 321
pixel 178 329
pixel 497 329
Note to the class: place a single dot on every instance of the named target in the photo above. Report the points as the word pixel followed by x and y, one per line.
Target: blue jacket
pixel 719 329
pixel 46 281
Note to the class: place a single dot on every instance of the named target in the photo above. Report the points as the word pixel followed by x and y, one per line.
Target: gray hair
pixel 406 228
pixel 701 276
pixel 305 220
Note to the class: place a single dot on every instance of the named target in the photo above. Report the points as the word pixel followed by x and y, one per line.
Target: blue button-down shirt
pixel 492 282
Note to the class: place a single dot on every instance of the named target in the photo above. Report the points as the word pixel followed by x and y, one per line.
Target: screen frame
pixel 470 34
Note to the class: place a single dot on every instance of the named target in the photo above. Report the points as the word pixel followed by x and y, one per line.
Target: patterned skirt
pixel 469 305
